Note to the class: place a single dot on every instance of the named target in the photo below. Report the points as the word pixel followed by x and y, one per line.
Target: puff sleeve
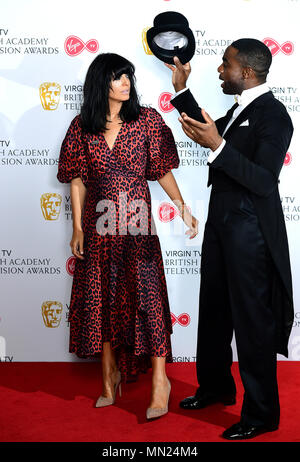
pixel 72 161
pixel 162 153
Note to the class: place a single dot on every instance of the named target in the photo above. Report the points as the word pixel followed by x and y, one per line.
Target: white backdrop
pixel 45 50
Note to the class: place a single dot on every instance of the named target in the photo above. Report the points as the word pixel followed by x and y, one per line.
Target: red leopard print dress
pixel 119 290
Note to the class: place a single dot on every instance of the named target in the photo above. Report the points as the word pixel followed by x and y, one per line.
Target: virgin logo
pixel 167 212
pixel 164 102
pixel 74 45
pixel 70 265
pixel 288 158
pixel 287 47
pixel 183 319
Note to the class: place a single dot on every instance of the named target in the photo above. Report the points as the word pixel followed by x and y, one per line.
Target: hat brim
pixel 185 53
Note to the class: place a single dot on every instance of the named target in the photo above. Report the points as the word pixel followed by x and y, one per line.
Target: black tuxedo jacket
pixel 252 158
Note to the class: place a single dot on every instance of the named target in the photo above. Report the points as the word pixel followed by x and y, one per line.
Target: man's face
pixel 231 72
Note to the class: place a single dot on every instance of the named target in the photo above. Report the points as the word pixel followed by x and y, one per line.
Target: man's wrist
pixel 179 87
pixel 216 143
pixel 177 93
pixel 214 154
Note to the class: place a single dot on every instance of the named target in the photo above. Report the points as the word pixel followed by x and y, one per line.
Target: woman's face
pixel 120 89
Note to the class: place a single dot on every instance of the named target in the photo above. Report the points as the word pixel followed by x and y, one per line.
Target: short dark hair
pixel 105 68
pixel 255 54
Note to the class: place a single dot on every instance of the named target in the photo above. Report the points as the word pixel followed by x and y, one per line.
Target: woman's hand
pixel 190 221
pixel 76 243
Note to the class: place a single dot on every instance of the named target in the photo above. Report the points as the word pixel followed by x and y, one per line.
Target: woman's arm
pixel 169 185
pixel 78 193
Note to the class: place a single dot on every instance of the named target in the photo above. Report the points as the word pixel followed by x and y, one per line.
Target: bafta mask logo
pixel 145 43
pixel 51 205
pixel 52 313
pixel 49 95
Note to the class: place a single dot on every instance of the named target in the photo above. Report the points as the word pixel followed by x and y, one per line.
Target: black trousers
pixel 235 295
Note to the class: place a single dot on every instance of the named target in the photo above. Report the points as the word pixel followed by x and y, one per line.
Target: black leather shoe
pixel 206 399
pixel 241 431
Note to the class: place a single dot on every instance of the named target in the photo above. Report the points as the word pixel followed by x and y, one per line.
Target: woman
pixel 119 305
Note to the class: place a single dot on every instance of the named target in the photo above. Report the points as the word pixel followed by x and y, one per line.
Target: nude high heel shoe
pixel 103 401
pixel 154 413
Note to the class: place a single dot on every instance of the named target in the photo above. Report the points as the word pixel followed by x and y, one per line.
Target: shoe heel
pixel 118 386
pixel 154 413
pixel 102 401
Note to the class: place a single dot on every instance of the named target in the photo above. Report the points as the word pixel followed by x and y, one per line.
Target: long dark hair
pixel 105 68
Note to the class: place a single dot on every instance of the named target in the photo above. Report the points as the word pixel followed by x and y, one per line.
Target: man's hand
pixel 180 73
pixel 205 134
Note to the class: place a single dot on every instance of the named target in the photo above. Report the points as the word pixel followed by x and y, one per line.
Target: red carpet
pixel 47 402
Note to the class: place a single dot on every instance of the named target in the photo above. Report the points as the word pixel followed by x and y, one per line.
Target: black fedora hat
pixel 171 36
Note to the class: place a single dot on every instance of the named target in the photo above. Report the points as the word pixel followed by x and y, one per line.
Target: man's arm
pixel 184 102
pixel 259 175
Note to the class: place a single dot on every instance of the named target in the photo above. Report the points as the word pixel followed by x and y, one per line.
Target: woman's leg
pixel 160 389
pixel 109 370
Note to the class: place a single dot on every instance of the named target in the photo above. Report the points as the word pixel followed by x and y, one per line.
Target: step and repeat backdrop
pixel 45 51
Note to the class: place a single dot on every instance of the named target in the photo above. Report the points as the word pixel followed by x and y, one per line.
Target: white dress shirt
pixel 243 100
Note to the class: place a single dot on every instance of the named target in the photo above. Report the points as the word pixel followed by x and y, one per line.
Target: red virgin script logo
pixel 164 102
pixel 287 47
pixel 74 45
pixel 167 212
pixel 183 319
pixel 288 159
pixel 70 265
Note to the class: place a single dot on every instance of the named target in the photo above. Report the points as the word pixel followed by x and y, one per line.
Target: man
pixel 245 269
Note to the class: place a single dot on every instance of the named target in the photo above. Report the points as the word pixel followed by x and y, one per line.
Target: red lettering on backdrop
pixel 164 102
pixel 183 319
pixel 167 212
pixel 70 265
pixel 74 45
pixel 288 158
pixel 287 47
